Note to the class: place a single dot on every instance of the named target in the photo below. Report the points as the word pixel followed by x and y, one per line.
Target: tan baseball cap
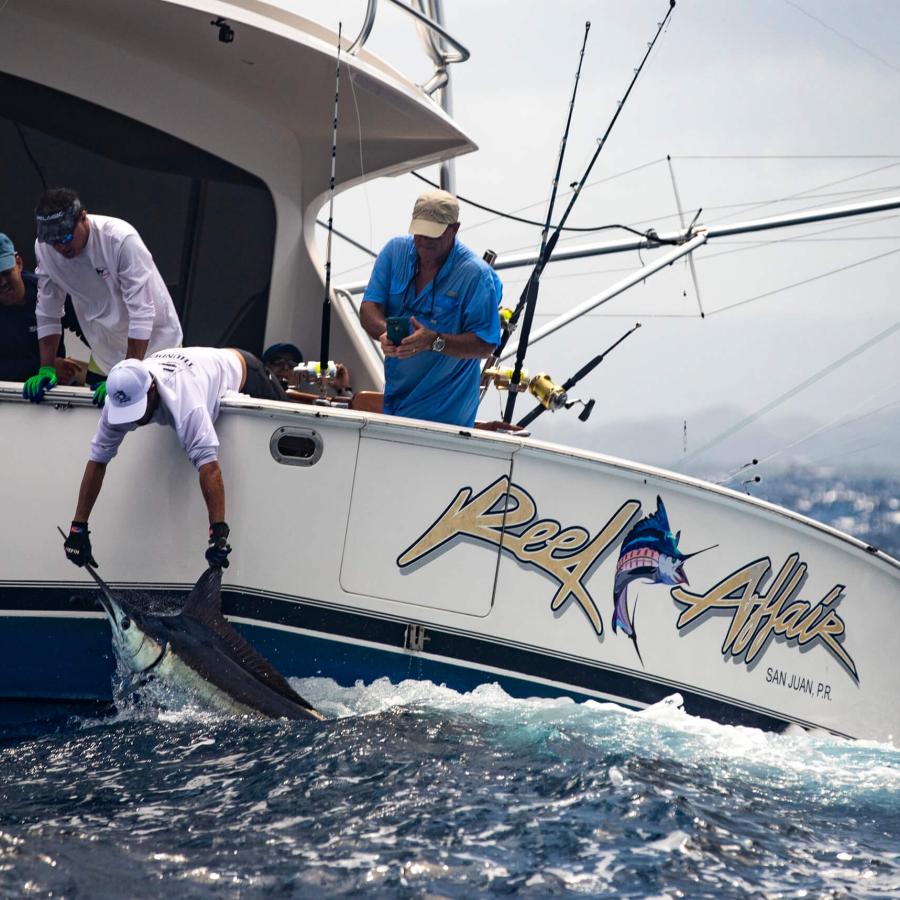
pixel 433 212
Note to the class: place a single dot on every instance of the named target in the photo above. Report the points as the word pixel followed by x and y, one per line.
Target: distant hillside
pixel 868 445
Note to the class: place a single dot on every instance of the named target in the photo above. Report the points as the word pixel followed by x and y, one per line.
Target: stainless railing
pixel 428 15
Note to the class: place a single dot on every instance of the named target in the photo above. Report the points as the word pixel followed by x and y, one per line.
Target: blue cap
pixel 277 350
pixel 7 254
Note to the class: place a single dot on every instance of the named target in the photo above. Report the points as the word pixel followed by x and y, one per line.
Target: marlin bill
pixel 199 650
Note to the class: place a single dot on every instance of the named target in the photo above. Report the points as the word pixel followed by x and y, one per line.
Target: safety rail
pixel 428 16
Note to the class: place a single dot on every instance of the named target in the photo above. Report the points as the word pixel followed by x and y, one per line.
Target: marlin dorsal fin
pixel 204 603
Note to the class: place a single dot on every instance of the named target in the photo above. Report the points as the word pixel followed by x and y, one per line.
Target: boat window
pixel 296 446
pixel 209 225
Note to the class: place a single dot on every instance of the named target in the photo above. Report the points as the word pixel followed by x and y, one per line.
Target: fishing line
pixel 349 240
pixel 818 277
pixel 840 422
pixel 362 168
pixel 844 37
pixel 502 215
pixel 804 194
pixel 28 153
pixel 748 300
pixel 792 156
pixel 789 394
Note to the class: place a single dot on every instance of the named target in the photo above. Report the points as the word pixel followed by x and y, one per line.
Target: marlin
pixel 199 649
pixel 649 552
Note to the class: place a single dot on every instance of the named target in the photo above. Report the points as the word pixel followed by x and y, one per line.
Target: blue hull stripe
pixel 67 656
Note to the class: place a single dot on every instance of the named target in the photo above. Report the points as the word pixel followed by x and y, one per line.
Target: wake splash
pixel 413 788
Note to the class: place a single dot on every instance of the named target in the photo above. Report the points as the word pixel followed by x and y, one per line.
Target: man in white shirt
pixel 181 388
pixel 118 294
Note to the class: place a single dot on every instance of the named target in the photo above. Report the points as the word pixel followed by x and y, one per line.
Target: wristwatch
pixel 439 344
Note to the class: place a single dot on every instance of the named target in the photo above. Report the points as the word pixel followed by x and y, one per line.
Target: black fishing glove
pixel 78 545
pixel 219 548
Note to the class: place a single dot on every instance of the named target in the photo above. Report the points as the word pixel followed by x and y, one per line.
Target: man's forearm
pixel 91 482
pixel 213 489
pixel 47 347
pixel 466 346
pixel 371 317
pixel 136 348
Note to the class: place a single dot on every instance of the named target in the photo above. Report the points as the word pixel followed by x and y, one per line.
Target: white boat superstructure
pixel 368 545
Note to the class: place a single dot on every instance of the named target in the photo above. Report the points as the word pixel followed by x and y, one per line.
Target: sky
pixel 765 107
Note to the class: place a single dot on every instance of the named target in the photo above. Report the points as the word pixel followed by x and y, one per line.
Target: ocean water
pixel 414 790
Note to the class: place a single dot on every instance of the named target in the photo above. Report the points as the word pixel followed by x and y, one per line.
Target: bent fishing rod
pixel 569 383
pixel 326 303
pixel 528 298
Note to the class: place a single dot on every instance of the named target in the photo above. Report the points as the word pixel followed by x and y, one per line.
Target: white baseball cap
pixel 126 391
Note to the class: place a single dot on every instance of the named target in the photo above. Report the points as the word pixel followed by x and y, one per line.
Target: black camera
pixel 226 32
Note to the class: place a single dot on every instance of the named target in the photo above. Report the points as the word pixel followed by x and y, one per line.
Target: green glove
pixel 34 388
pixel 99 394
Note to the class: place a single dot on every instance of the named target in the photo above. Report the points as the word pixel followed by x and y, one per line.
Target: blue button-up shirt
pixel 464 297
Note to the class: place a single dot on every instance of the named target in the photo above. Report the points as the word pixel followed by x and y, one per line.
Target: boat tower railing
pixel 429 23
pixel 429 20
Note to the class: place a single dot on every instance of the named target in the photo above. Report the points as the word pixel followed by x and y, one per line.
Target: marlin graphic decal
pixel 650 553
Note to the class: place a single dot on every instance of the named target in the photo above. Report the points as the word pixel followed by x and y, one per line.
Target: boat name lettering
pixel 758 616
pixel 504 514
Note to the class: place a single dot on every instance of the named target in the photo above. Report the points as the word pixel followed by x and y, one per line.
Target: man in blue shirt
pixel 448 300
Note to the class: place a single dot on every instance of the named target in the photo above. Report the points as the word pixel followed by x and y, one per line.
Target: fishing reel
pixel 549 394
pixel 311 372
pixel 330 381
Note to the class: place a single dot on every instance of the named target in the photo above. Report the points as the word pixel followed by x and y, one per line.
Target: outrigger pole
pixel 685 241
pixel 528 299
pixel 326 303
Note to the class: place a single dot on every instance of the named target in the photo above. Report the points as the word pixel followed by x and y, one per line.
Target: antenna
pixel 326 303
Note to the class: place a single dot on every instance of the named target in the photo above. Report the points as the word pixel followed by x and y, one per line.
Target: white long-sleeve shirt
pixel 191 383
pixel 116 290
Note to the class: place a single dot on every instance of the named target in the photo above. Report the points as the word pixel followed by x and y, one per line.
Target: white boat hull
pixel 413 550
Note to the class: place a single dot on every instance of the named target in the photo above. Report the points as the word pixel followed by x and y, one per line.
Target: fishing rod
pixel 528 299
pixel 508 323
pixel 525 421
pixel 326 303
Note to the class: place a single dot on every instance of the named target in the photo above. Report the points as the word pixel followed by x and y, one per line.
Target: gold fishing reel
pixel 547 392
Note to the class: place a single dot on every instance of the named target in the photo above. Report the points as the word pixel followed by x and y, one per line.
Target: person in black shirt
pixel 19 354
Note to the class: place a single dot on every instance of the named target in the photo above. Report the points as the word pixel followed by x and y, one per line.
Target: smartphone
pixel 397 328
